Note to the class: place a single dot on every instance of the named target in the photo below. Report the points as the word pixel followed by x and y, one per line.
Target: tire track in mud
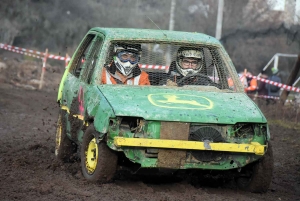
pixel 29 171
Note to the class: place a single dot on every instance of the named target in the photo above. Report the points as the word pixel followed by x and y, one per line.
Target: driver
pixel 124 68
pixel 189 61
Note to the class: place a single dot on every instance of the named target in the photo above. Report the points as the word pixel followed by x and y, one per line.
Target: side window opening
pixel 92 58
pixel 81 56
pixel 221 70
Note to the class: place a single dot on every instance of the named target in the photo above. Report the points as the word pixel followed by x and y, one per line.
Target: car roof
pixel 156 35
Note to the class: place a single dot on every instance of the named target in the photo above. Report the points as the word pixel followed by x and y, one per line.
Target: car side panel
pixel 98 108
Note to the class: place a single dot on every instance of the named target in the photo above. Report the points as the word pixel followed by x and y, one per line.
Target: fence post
pixel 43 69
pixel 67 60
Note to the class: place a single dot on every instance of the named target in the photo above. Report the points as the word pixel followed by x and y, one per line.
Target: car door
pixel 78 80
pixel 87 89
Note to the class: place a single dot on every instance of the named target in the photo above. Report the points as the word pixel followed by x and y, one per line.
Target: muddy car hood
pixel 173 104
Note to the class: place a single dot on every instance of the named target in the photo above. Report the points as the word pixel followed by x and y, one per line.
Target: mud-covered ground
pixel 29 171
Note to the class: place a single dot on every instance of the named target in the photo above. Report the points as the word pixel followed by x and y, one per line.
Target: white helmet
pixel 126 57
pixel 189 52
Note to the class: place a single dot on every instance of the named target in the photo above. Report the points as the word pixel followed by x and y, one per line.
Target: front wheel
pixel 64 147
pixel 98 161
pixel 258 176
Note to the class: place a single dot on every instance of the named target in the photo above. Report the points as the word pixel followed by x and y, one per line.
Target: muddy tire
pixel 64 147
pixel 259 174
pixel 98 161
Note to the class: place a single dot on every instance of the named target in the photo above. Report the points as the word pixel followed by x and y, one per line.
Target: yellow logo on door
pixel 180 101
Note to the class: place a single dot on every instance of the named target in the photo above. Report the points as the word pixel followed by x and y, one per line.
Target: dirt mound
pixel 27 74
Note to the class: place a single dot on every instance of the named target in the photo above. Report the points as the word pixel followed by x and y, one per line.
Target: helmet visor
pixel 125 56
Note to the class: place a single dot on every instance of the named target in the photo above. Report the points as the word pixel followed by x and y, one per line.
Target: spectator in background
pixel 262 90
pixel 273 90
pixel 243 79
pixel 252 85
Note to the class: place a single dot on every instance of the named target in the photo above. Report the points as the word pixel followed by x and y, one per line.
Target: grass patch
pixel 284 124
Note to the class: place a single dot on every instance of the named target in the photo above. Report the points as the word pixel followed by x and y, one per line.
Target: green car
pixel 187 111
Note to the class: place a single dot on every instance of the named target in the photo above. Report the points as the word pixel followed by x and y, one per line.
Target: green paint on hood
pixel 178 104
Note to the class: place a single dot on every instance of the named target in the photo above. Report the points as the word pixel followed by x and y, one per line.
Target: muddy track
pixel 29 170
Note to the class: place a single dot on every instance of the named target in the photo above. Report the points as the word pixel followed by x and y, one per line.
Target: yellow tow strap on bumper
pixel 254 147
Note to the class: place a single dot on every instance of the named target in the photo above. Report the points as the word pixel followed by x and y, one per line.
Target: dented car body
pixel 160 126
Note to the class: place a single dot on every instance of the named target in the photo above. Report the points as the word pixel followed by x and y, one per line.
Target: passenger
pixel 124 68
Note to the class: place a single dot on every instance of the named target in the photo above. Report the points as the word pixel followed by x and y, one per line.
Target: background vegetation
pixel 252 33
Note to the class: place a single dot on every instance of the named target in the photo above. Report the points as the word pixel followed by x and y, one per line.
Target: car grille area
pixel 206 134
pixel 171 158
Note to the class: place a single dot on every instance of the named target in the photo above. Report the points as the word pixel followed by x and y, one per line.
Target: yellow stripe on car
pixel 255 147
pixel 81 117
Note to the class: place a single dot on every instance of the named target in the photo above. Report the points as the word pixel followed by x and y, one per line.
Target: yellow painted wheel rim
pixel 91 156
pixel 58 135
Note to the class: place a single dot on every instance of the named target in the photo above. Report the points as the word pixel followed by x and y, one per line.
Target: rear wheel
pixel 98 161
pixel 64 147
pixel 257 177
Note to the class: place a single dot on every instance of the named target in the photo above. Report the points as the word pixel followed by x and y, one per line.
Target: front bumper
pixel 254 147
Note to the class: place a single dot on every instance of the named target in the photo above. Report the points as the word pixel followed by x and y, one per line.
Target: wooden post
pixel 43 69
pixel 290 80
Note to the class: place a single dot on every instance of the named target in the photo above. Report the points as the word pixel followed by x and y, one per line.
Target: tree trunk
pixel 290 80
